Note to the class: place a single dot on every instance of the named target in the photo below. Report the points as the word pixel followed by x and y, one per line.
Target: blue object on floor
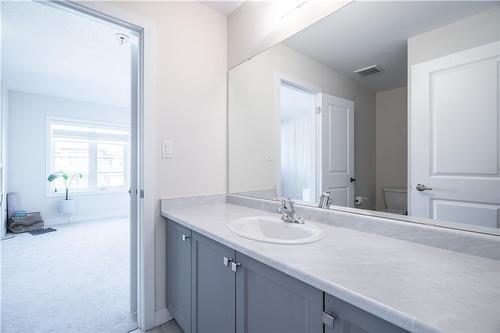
pixel 19 213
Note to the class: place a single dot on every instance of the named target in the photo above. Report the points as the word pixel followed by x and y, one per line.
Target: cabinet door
pixel 350 319
pixel 213 287
pixel 179 274
pixel 270 301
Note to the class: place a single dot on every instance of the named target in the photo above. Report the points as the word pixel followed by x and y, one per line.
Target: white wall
pixel 258 25
pixel 252 120
pixel 27 155
pixel 391 142
pixel 185 101
pixel 476 30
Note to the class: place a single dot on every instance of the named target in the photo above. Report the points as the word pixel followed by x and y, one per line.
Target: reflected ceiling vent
pixel 368 71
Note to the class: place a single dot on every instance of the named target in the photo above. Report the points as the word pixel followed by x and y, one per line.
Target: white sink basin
pixel 273 230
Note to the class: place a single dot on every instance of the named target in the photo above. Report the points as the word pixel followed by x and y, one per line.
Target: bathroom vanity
pixel 214 288
pixel 347 281
pixel 398 144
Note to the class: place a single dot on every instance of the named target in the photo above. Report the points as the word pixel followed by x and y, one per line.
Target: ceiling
pixel 366 33
pixel 48 50
pixel 224 7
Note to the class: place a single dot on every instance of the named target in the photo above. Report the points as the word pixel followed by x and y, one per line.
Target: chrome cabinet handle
pixel 234 266
pixel 227 261
pixel 185 237
pixel 422 187
pixel 329 319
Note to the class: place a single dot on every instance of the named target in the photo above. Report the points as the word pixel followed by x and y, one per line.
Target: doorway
pixel 298 133
pixel 70 109
pixel 316 145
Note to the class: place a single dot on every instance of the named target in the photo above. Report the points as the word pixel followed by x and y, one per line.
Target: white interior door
pixel 337 152
pixel 454 137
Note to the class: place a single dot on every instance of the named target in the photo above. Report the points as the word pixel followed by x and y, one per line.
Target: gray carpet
pixel 73 280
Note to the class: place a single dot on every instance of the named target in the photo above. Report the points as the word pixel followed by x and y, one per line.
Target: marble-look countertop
pixel 417 287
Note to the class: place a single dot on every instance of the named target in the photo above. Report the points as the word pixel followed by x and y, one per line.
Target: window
pixel 97 151
pixel 72 156
pixel 110 164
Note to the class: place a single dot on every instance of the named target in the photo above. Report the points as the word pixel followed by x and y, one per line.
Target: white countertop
pixel 417 287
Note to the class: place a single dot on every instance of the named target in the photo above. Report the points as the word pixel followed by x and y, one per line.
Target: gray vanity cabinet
pixel 213 287
pixel 268 300
pixel 350 319
pixel 179 274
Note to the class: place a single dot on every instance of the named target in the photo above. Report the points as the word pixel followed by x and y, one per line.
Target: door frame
pixel 279 79
pixel 3 160
pixel 142 287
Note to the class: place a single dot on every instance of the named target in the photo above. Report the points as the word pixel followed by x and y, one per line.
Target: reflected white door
pixel 454 135
pixel 337 117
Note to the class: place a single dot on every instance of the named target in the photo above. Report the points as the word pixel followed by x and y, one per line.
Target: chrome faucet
pixel 287 211
pixel 325 200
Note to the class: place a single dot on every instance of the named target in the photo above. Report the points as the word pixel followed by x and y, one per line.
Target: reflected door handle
pixel 422 187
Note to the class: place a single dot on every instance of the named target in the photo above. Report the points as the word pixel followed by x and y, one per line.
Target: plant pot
pixel 67 207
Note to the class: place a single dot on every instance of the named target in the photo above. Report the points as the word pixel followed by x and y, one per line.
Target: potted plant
pixel 66 206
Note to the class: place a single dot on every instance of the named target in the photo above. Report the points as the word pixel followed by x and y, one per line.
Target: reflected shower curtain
pixel 298 180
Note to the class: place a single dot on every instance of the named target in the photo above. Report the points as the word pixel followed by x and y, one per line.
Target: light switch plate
pixel 167 149
pixel 268 154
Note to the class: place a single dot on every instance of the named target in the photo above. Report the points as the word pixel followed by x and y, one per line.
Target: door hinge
pixel 329 319
pixel 318 109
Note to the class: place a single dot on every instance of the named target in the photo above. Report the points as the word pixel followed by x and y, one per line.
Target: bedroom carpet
pixel 73 280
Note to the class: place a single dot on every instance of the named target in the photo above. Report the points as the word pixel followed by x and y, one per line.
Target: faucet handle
pixel 325 200
pixel 287 203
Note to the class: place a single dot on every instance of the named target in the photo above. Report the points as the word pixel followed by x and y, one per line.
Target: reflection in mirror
pixel 298 176
pixel 385 106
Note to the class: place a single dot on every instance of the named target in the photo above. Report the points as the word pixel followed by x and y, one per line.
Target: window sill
pixel 86 193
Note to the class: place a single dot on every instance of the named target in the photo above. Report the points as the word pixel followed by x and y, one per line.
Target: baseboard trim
pixel 162 316
pixel 84 217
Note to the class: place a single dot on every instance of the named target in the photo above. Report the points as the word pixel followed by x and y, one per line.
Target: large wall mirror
pixel 383 106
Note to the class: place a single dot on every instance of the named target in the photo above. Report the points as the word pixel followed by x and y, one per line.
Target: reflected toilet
pixel 395 200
